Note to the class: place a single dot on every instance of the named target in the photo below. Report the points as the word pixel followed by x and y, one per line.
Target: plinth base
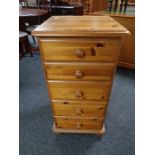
pixel 97 132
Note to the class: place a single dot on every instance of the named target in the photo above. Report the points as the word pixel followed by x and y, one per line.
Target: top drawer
pixel 83 50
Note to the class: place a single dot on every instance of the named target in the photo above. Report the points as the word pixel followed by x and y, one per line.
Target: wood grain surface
pixel 78 108
pixel 104 50
pixel 79 71
pixel 79 123
pixel 79 90
pixel 85 26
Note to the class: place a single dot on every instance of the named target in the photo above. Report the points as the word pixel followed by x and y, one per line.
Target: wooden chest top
pixel 84 26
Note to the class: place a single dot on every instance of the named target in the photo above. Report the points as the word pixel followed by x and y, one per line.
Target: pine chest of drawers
pixel 79 55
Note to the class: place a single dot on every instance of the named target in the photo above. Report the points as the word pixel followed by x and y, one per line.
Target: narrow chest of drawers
pixel 79 56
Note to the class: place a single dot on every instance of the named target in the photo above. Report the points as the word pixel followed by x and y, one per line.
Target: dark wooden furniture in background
pixel 31 27
pixel 127 19
pixel 98 5
pixel 28 12
pixel 68 10
pixel 85 3
pixel 27 15
pixel 24 45
pixel 30 16
pixel 91 5
pixel 57 7
pixel 79 60
pixel 87 6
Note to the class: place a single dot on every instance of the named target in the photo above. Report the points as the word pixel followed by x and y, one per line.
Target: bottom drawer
pixel 79 123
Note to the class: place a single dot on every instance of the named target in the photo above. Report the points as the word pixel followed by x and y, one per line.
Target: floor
pixel 36 136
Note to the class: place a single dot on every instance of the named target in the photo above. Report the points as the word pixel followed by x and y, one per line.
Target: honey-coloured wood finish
pixel 79 90
pixel 79 56
pixel 79 71
pixel 78 108
pixel 100 50
pixel 80 26
pixel 79 123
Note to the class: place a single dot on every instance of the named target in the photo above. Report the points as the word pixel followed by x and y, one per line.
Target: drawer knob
pixel 79 93
pixel 78 125
pixel 78 74
pixel 80 53
pixel 79 111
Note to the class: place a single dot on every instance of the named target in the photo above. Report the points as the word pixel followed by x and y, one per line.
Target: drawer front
pixel 102 51
pixel 78 108
pixel 79 123
pixel 79 71
pixel 79 90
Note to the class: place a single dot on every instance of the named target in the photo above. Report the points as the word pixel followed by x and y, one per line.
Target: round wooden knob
pixel 79 93
pixel 80 53
pixel 79 111
pixel 78 74
pixel 78 125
